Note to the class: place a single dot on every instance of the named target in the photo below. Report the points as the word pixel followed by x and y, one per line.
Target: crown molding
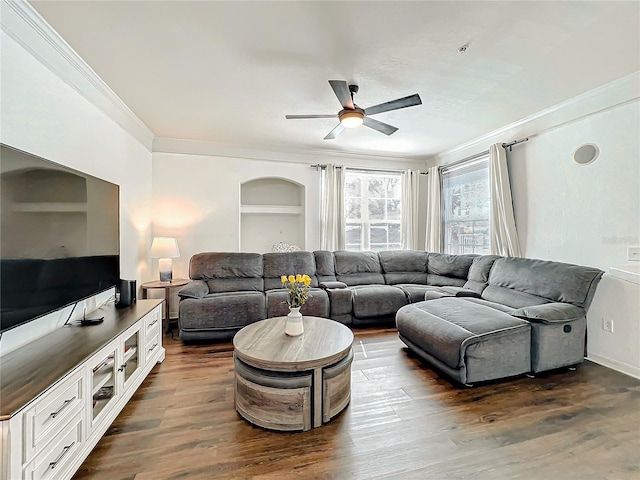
pixel 309 156
pixel 606 97
pixel 23 24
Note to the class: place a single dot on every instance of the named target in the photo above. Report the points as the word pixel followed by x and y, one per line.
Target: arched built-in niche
pixel 271 211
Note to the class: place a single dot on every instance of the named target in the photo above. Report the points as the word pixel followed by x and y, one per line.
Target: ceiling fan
pixel 352 116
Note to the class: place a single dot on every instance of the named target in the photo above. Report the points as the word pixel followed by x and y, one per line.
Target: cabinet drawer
pixel 50 413
pixel 53 462
pixel 152 346
pixel 152 322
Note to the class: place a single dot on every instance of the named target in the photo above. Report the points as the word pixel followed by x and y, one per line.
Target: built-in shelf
pixel 272 209
pixel 50 207
pixel 100 380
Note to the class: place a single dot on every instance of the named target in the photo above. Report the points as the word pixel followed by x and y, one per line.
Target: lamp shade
pixel 164 247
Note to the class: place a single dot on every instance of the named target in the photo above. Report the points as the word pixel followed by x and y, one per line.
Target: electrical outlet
pixel 607 325
pixel 633 253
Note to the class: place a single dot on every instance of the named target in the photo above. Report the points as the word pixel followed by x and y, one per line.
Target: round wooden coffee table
pixel 292 383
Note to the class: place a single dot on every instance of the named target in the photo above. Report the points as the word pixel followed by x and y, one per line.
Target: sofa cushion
pixel 228 271
pixel 221 285
pixel 358 268
pixel 496 306
pixel 222 310
pixel 404 266
pixel 278 264
pixel 478 276
pixel 333 285
pixel 377 300
pixel 317 305
pixel 521 282
pixel 325 268
pixel 446 327
pixel 443 269
pixel 510 297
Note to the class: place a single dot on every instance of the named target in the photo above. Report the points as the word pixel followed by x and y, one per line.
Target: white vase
pixel 294 322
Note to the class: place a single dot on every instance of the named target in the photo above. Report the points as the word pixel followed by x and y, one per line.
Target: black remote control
pixel 91 321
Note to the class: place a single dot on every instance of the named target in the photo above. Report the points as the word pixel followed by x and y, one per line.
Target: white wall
pixel 581 214
pixel 196 199
pixel 588 214
pixel 43 115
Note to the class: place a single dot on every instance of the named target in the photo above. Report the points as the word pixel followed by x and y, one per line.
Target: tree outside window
pixel 373 207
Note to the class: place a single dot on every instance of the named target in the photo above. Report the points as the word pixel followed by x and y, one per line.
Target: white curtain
pixel 433 241
pixel 504 236
pixel 332 220
pixel 410 192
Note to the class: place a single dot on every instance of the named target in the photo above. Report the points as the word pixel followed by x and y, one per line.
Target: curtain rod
pixel 322 166
pixel 507 145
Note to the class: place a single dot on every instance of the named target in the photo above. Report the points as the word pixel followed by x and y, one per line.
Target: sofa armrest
pixel 434 295
pixel 194 289
pixel 550 313
pixel 326 285
pixel 461 292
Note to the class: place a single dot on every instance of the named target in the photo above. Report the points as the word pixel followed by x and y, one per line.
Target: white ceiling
pixel 228 71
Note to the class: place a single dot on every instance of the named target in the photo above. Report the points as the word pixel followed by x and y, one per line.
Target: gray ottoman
pixel 471 341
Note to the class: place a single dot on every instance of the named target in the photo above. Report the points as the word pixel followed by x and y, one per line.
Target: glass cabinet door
pixel 103 380
pixel 131 361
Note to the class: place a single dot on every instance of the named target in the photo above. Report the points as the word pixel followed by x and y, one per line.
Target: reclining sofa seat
pixel 512 316
pixel 226 293
pixel 417 272
pixel 229 290
pixel 278 264
pixel 372 300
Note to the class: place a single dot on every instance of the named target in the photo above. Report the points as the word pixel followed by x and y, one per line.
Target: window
pixel 466 207
pixel 373 206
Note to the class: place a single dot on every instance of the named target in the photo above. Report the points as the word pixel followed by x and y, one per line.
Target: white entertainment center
pixel 61 392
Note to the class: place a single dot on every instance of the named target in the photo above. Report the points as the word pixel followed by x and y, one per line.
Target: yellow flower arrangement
pixel 297 287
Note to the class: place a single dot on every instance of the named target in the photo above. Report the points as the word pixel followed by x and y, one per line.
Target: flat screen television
pixel 59 237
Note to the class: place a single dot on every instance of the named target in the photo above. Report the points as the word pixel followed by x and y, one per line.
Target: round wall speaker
pixel 586 154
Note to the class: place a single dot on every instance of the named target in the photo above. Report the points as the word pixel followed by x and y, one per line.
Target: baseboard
pixel 615 365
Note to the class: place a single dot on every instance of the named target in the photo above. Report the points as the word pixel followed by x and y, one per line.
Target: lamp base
pixel 165 267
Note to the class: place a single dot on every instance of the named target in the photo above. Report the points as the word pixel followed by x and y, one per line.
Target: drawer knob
pixel 64 405
pixel 153 323
pixel 65 450
pixel 122 367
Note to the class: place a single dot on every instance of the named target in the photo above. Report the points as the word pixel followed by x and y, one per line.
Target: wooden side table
pixel 176 282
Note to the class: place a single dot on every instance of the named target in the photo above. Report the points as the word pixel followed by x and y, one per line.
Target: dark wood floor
pixel 404 421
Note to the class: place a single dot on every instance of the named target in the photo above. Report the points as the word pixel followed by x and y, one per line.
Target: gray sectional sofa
pixel 476 318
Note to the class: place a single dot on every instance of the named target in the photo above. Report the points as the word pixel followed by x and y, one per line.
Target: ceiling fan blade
pixel 379 126
pixel 335 132
pixel 297 117
pixel 341 89
pixel 409 101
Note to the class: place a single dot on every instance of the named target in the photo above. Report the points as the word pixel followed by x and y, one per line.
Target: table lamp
pixel 165 248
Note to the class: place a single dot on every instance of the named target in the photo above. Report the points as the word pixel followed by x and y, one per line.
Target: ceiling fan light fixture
pixel 351 118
